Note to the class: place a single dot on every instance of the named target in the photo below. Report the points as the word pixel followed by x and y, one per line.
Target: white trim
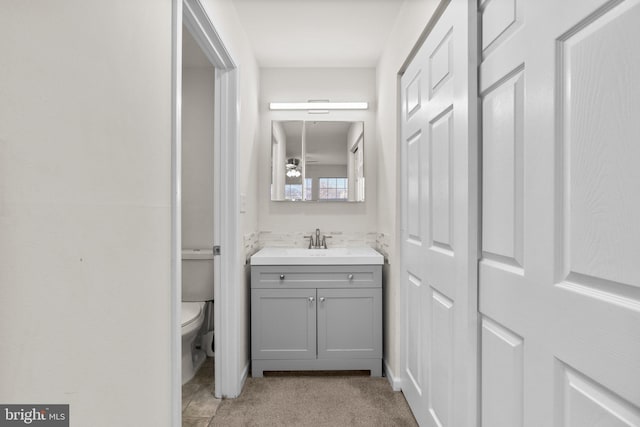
pixel 227 373
pixel 176 215
pixel 245 374
pixel 197 20
pixel 220 331
pixel 396 382
pixel 228 379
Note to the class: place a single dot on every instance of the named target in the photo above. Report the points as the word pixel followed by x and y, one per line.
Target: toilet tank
pixel 197 274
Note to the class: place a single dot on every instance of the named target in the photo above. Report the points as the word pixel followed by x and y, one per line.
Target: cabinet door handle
pixel 350 277
pixel 321 299
pixel 282 277
pixel 311 299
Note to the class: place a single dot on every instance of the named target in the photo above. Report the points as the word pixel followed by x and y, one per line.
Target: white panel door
pixel 559 276
pixel 439 223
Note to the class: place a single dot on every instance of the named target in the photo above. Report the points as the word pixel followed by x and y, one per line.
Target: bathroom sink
pixel 332 256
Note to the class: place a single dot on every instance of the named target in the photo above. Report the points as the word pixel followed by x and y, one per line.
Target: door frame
pixel 193 16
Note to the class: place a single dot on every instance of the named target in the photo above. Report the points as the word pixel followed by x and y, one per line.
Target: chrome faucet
pixel 317 243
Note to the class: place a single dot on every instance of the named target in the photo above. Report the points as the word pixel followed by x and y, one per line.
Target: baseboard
pixel 396 383
pixel 244 376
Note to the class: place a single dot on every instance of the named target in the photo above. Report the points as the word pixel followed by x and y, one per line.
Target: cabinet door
pixel 349 323
pixel 283 323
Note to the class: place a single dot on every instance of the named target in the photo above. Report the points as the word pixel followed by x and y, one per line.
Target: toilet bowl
pixel 192 357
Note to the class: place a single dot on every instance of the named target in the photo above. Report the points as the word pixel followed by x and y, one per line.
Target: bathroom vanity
pixel 316 309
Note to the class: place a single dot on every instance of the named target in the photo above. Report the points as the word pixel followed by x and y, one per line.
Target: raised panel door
pixel 559 277
pixel 439 222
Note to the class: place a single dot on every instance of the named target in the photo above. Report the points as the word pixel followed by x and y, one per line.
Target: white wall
pixel 410 23
pixel 85 203
pixel 197 157
pixel 85 208
pixel 301 84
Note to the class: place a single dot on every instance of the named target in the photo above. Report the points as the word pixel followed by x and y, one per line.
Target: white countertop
pixel 333 256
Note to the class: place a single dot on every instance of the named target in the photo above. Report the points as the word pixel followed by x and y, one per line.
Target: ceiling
pixel 317 33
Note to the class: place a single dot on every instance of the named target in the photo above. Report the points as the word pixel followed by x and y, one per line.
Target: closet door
pixel 560 269
pixel 439 223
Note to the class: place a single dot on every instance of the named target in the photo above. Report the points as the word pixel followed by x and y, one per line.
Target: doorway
pixel 197 198
pixel 191 15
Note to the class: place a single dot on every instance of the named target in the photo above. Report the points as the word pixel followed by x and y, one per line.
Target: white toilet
pixel 197 289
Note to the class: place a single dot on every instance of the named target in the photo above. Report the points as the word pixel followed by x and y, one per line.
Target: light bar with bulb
pixel 318 105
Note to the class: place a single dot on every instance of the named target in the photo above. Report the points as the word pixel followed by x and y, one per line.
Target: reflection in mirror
pixel 286 155
pixel 317 160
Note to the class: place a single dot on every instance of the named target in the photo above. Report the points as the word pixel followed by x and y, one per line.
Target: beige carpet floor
pixel 315 401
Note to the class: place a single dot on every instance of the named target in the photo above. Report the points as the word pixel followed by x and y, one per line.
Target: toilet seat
pixel 191 312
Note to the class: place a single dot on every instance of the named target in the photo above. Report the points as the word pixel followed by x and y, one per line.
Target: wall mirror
pixel 317 161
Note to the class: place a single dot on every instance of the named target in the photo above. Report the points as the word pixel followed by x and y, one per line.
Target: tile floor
pixel 198 404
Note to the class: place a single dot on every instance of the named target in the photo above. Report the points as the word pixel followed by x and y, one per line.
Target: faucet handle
pixel 310 241
pixel 324 241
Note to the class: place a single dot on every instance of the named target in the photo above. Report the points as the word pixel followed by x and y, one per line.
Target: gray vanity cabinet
pixel 283 323
pixel 316 318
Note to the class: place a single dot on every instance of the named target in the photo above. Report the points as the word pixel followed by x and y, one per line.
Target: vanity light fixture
pixel 315 105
